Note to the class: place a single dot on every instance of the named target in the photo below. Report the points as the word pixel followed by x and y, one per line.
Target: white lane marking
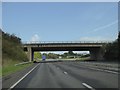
pixel 22 78
pixel 65 72
pixel 88 86
pixel 105 70
pixel 111 71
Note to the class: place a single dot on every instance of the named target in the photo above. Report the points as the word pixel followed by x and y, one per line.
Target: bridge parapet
pixel 64 44
pixel 47 42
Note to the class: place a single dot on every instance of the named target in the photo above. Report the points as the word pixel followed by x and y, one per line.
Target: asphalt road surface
pixel 67 75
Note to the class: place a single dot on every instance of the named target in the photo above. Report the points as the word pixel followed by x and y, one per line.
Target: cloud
pixel 105 26
pixel 96 38
pixel 35 38
pixel 82 52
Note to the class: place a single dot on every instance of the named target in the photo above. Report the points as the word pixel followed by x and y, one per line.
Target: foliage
pixel 12 37
pixel 12 48
pixel 70 53
pixel 112 49
pixel 52 56
pixel 37 55
pixel 12 53
pixel 119 45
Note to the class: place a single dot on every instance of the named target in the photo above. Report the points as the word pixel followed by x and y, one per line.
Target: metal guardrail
pixel 37 42
pixel 21 63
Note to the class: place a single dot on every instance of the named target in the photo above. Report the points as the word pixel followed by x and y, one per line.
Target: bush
pixel 111 51
pixel 12 48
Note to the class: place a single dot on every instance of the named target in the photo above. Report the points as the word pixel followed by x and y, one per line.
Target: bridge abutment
pixel 30 54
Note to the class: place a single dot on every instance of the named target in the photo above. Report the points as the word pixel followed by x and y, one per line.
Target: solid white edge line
pixel 88 86
pixel 22 78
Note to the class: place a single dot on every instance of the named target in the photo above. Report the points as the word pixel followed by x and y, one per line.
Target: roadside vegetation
pixel 37 56
pixel 119 46
pixel 12 53
pixel 66 56
pixel 0 53
pixel 12 68
pixel 112 50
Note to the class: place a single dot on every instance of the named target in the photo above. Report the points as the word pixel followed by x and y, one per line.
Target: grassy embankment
pixel 12 53
pixel 10 67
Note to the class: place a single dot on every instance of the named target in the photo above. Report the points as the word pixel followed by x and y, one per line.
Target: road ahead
pixel 67 75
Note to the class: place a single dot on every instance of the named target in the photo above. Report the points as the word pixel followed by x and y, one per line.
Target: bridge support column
pixel 30 54
pixel 96 54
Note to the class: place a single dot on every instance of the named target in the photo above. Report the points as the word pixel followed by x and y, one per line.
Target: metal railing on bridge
pixel 37 42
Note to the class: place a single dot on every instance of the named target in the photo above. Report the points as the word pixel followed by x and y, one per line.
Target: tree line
pixel 12 37
pixel 12 49
pixel 38 55
pixel 112 50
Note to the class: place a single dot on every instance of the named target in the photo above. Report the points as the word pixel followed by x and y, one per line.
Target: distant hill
pixel 12 49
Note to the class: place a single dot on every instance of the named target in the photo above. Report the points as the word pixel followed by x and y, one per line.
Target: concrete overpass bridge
pixel 95 48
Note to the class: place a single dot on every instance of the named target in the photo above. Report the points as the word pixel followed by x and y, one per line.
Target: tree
pixel 112 50
pixel 70 53
pixel 52 56
pixel 119 39
pixel 118 45
pixel 37 55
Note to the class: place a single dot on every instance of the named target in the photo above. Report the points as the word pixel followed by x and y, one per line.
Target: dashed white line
pixel 65 72
pixel 88 86
pixel 22 78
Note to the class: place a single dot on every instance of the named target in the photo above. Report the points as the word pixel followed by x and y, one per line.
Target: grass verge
pixel 11 68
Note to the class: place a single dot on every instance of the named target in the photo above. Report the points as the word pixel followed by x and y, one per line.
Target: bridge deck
pixel 62 46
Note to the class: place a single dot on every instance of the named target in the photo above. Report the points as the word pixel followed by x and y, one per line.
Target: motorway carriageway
pixel 66 75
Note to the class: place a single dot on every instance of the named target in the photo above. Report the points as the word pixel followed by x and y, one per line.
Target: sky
pixel 60 0
pixel 0 14
pixel 50 21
